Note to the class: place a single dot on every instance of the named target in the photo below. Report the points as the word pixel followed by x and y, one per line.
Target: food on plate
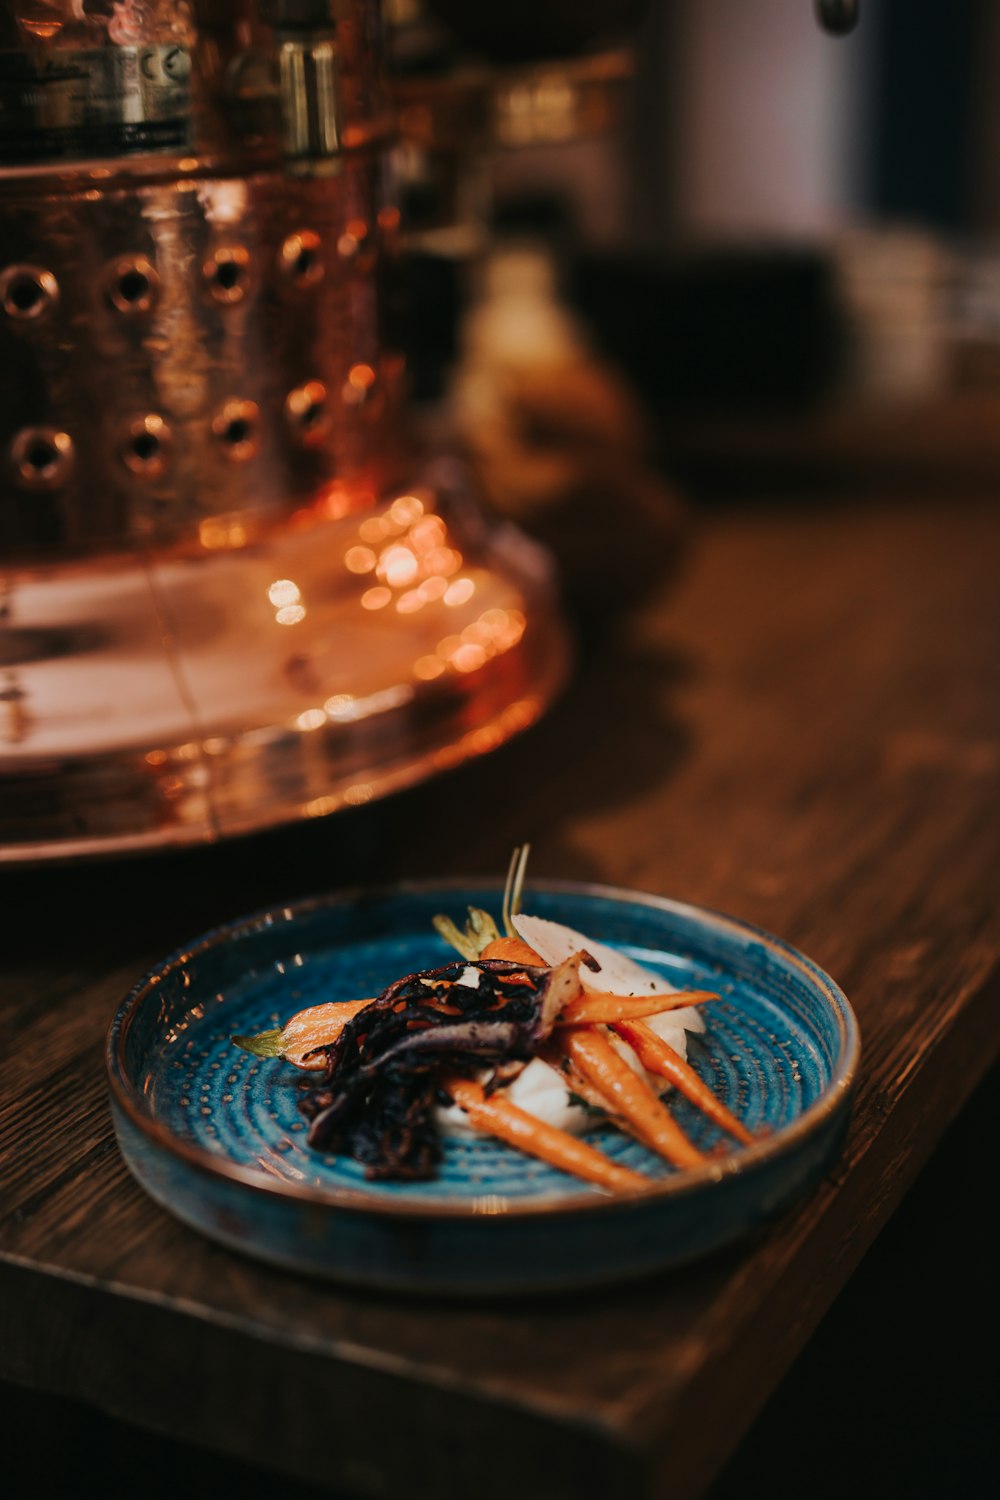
pixel 302 1039
pixel 532 1036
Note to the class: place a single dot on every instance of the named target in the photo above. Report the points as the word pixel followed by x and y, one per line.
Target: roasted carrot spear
pixel 657 1056
pixel 498 1116
pixel 628 1094
pixel 512 950
pixel 594 1007
pixel 318 1026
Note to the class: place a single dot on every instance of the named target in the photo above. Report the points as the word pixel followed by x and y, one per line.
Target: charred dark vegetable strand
pixel 377 1094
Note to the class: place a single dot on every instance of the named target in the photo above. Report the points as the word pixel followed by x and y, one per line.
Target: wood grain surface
pixel 803 730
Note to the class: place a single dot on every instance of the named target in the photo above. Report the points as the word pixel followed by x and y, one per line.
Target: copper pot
pixel 231 594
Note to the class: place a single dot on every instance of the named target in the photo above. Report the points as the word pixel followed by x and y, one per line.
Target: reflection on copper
pixel 319 807
pixel 443 560
pixel 428 533
pixel 344 708
pixel 358 386
pixel 353 238
pixel 390 525
pixel 300 258
pixel 428 667
pixel 311 718
pixel 279 733
pixel 515 717
pixel 359 559
pixel 372 529
pixel 468 658
pixel 434 588
pixel 398 567
pixel 307 413
pixel 223 533
pixel 459 592
pixel 16 720
pixel 336 501
pixel 290 614
pixel 283 591
pixel 407 509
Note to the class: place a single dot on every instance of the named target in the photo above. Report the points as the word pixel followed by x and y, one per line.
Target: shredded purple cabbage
pixel 375 1101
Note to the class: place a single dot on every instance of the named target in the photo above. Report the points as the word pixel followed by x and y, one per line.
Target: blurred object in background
pixel 781 241
pixel 558 437
pixel 894 289
pixel 756 118
pixel 877 157
pixel 478 123
pixel 511 162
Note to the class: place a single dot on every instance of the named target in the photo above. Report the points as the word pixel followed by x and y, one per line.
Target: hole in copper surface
pixel 131 284
pixel 41 457
pixel 227 273
pixel 24 293
pixel 301 258
pixel 307 410
pixel 235 426
pixel 27 291
pixel 146 445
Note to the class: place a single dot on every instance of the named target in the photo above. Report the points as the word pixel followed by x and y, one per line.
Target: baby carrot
pixel 628 1094
pixel 512 950
pixel 657 1056
pixel 498 1116
pixel 594 1007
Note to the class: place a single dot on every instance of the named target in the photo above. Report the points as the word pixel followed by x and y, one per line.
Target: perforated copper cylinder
pixel 228 596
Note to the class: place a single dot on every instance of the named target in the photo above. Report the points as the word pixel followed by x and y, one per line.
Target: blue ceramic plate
pixel 215 1136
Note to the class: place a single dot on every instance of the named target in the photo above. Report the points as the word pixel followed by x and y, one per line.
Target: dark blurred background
pixel 786 242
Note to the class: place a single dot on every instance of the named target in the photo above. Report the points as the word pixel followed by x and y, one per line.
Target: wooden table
pixel 804 731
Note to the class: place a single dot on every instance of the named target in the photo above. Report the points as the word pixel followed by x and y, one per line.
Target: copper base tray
pixel 152 702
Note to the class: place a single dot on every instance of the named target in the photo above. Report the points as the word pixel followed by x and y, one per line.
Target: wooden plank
pixel 805 733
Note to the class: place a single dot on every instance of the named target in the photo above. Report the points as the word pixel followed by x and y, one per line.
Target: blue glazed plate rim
pixel 835 1097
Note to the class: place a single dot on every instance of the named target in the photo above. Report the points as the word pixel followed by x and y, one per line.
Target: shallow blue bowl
pixel 214 1134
